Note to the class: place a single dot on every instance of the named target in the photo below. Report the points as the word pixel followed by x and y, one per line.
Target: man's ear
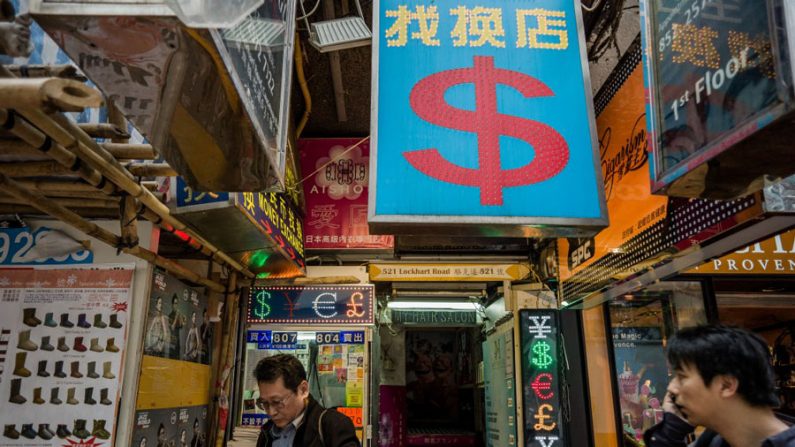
pixel 727 384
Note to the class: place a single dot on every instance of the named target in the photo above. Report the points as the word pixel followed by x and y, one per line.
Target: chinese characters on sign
pixel 312 304
pixel 444 135
pixel 278 219
pixel 713 69
pixel 540 385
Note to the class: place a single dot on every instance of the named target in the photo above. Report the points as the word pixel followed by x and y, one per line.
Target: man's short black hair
pixel 721 350
pixel 286 366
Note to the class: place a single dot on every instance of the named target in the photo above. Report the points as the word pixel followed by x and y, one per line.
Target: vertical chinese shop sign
pixel 336 194
pixel 540 378
pixel 484 111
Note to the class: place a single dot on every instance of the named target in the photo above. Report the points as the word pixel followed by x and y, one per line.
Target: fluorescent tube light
pixel 452 305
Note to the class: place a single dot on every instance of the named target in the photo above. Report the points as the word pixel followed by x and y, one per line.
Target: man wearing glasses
pixel 296 419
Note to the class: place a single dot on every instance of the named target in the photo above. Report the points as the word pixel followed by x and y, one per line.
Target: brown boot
pixel 111 345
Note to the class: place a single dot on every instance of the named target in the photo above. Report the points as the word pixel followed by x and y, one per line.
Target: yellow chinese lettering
pixel 550 32
pixel 483 25
pixel 248 201
pixel 693 44
pixel 757 51
pixel 426 18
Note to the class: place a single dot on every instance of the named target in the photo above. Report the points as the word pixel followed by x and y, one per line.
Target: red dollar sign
pixel 427 100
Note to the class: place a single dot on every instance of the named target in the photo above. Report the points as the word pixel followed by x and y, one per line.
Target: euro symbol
pixel 541 416
pixel 355 307
pixel 542 386
pixel 427 100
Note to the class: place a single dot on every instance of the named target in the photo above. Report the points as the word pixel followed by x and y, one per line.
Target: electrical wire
pixel 306 15
pixel 593 6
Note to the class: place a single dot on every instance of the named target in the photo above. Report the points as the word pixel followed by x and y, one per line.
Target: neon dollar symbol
pixel 261 308
pixel 551 152
pixel 541 359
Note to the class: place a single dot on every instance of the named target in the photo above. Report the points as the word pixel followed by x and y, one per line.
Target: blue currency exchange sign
pixel 484 111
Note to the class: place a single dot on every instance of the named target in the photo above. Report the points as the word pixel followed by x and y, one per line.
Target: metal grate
pixel 339 34
pixel 253 33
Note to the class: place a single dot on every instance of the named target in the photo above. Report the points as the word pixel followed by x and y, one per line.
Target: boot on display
pixel 37 396
pixel 79 346
pixel 111 345
pixel 25 343
pixel 45 433
pixel 10 432
pixel 89 398
pixel 98 322
pixel 62 346
pixel 43 369
pixel 95 347
pixel 16 392
pixel 103 397
pixel 92 370
pixel 45 344
pixel 65 321
pixel 49 320
pixel 99 429
pixel 80 429
pixel 76 370
pixel 70 397
pixel 29 317
pixel 81 321
pixel 114 321
pixel 54 396
pixel 106 372
pixel 28 431
pixel 63 431
pixel 59 369
pixel 19 366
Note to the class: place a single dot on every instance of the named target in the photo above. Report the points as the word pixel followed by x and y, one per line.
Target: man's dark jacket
pixel 673 432
pixel 338 430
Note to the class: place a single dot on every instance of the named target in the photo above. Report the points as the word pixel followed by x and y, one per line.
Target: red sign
pixel 336 194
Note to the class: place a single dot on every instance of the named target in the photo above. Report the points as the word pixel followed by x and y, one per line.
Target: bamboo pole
pixel 66 202
pixel 33 169
pixel 129 224
pixel 63 94
pixel 99 213
pixel 52 208
pixel 151 170
pixel 45 71
pixel 131 151
pixel 103 130
pixel 21 150
pixel 56 127
pixel 116 118
pixel 51 187
pixel 227 358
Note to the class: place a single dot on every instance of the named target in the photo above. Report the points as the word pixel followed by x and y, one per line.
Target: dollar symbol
pixel 261 308
pixel 551 152
pixel 541 359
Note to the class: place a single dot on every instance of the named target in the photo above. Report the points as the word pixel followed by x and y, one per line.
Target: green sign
pixel 435 317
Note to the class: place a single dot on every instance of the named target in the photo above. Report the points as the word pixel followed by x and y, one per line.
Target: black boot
pixel 44 432
pixel 103 397
pixel 62 431
pixel 59 369
pixel 92 370
pixel 11 432
pixel 28 431
pixel 29 317
pixel 49 320
pixel 81 321
pixel 99 429
pixel 43 369
pixel 65 321
pixel 114 321
pixel 54 396
pixel 16 396
pixel 80 429
pixel 45 344
pixel 89 400
pixel 98 322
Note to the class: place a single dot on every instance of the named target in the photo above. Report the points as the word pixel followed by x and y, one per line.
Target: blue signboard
pixel 18 247
pixel 188 197
pixel 273 339
pixel 311 304
pixel 254 419
pixel 341 337
pixel 278 219
pixel 484 112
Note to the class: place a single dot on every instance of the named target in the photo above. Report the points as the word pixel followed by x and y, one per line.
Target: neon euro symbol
pixel 427 100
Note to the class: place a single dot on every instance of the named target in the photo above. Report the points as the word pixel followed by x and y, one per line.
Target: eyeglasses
pixel 277 405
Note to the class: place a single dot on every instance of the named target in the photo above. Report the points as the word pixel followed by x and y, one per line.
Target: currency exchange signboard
pixel 316 305
pixel 484 112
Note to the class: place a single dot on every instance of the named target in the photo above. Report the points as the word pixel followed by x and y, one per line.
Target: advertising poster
pixel 336 194
pixel 392 416
pixel 500 389
pixel 177 345
pixel 63 339
pixel 643 376
pixel 431 379
pixel 714 69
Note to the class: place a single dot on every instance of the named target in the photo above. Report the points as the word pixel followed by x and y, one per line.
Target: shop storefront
pixel 329 329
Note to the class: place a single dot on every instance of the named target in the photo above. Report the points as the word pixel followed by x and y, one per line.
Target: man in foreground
pixel 722 380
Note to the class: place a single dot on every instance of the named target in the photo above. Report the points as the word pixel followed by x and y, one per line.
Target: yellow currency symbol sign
pixel 542 416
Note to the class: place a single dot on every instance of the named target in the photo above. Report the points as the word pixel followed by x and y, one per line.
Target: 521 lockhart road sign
pixel 486 114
